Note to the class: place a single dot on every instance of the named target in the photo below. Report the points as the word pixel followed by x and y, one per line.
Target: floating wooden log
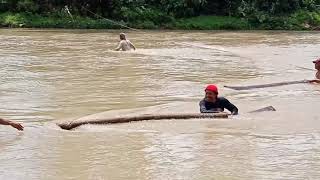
pixel 76 123
pixel 266 85
pixel 265 109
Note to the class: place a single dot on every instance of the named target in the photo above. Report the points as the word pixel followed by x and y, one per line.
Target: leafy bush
pixel 213 22
pixel 27 6
pixel 12 20
pixel 140 14
pixel 150 14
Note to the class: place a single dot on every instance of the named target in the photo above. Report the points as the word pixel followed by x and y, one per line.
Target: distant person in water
pixel 213 104
pixel 124 44
pixel 317 67
pixel 13 124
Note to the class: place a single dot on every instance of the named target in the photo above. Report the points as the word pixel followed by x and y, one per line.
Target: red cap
pixel 316 61
pixel 212 88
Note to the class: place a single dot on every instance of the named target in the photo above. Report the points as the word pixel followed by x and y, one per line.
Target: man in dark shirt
pixel 213 104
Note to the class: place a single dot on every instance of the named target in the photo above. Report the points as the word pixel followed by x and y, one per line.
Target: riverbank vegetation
pixel 159 14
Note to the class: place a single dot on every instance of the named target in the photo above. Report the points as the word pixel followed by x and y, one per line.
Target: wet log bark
pixel 76 123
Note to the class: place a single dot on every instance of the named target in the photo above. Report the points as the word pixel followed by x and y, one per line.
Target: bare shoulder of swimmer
pixel 130 43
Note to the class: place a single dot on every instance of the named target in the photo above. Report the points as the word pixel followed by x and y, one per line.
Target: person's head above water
pixel 317 64
pixel 122 36
pixel 211 92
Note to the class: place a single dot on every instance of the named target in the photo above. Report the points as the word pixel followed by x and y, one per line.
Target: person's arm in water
pixel 131 45
pixel 119 46
pixel 13 124
pixel 317 81
pixel 231 107
pixel 203 108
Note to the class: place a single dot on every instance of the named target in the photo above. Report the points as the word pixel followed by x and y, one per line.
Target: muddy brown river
pixel 50 75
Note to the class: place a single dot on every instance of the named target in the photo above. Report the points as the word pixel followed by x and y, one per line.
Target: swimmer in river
pixel 317 67
pixel 124 44
pixel 11 123
pixel 213 104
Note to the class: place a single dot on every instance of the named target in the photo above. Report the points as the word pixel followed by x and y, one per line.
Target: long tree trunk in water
pixel 76 123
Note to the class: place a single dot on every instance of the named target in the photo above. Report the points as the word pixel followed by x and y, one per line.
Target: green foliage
pixel 300 20
pixel 144 25
pixel 177 8
pixel 37 21
pixel 305 19
pixel 151 14
pixel 27 6
pixel 213 22
pixel 10 20
pixel 182 8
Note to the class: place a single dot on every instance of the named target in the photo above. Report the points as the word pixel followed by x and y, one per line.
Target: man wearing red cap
pixel 213 104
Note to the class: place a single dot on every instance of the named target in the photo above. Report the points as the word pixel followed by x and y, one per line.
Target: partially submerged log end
pixel 265 109
pixel 65 125
pixel 73 124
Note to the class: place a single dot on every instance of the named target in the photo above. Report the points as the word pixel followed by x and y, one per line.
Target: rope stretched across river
pixel 109 20
pixel 101 17
pixel 266 85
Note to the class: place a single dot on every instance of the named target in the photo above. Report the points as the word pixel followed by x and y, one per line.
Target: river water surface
pixel 49 75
